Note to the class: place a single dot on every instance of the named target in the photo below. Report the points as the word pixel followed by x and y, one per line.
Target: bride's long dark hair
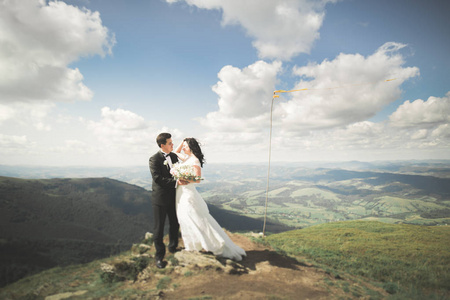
pixel 195 149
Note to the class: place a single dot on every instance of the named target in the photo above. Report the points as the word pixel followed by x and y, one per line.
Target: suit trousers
pixel 159 215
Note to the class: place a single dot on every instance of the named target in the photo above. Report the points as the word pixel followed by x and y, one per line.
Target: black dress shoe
pixel 160 264
pixel 173 250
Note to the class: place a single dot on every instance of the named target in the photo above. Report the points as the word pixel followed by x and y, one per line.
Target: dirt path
pixel 270 276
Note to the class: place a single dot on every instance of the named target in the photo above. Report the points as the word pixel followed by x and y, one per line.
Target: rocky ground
pixel 263 274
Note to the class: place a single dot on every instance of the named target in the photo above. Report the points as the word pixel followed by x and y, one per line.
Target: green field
pixel 409 261
pixel 298 204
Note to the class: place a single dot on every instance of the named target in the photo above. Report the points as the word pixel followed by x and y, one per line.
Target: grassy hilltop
pixel 46 223
pixel 343 260
pixel 412 259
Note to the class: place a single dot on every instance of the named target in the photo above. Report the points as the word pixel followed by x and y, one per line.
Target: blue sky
pixel 92 82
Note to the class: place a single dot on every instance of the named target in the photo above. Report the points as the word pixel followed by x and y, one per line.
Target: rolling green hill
pixel 56 222
pixel 341 260
pixel 411 260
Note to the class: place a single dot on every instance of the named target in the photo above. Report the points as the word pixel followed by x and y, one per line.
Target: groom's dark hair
pixel 162 138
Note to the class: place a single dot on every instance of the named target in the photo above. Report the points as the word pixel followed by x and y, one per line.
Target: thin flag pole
pixel 268 169
pixel 270 136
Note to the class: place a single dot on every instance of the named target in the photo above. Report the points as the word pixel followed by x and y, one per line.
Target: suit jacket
pixel 163 185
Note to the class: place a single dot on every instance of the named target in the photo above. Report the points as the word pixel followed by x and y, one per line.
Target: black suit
pixel 163 202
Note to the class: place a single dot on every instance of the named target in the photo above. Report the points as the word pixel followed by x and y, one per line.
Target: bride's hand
pixel 182 182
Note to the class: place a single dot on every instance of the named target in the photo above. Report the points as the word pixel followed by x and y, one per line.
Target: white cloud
pixel 322 123
pixel 124 131
pixel 14 145
pixel 244 101
pixel 123 138
pixel 120 128
pixel 23 113
pixel 244 97
pixel 123 120
pixel 419 134
pixel 349 89
pixel 119 138
pixel 363 141
pixel 423 124
pixel 442 131
pixel 11 140
pixel 38 40
pixel 361 91
pixel 281 29
pixel 361 135
pixel 74 148
pixel 6 112
pixel 433 112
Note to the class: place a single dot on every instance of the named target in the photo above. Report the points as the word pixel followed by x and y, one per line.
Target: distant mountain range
pixel 50 222
pixel 140 175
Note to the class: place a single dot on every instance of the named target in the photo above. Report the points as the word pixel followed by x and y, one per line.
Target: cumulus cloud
pixel 15 145
pixel 122 137
pixel 442 131
pixel 364 141
pixel 120 128
pixel 423 124
pixel 361 135
pixel 75 147
pixel 332 114
pixel 433 112
pixel 25 113
pixel 38 40
pixel 281 29
pixel 10 141
pixel 349 89
pixel 125 131
pixel 244 107
pixel 121 119
pixel 244 97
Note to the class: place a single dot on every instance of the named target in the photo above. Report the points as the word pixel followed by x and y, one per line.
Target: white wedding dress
pixel 199 229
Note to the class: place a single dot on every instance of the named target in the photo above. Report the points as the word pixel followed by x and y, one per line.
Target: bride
pixel 199 229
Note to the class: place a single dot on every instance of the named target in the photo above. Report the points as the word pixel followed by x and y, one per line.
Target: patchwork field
pixel 304 197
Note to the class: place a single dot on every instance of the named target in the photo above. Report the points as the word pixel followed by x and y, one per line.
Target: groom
pixel 163 197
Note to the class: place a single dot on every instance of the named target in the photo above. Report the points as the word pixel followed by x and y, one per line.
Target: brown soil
pixel 271 276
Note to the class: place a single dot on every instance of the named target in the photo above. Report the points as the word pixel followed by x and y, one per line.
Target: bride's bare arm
pixel 198 172
pixel 180 146
pixel 180 155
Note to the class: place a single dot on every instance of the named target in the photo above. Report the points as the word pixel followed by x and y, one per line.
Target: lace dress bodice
pixel 190 160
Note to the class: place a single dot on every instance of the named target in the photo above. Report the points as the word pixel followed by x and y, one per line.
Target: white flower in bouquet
pixel 186 172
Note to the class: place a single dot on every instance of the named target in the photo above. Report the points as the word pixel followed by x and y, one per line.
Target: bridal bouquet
pixel 186 172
